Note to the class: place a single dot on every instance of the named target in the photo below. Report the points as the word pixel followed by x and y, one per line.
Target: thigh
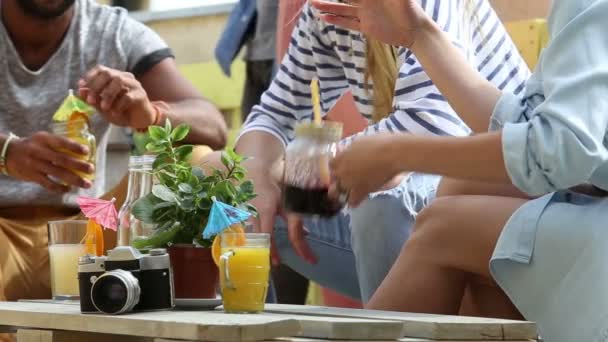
pixel 458 187
pixel 461 232
pixel 329 240
pixel 24 261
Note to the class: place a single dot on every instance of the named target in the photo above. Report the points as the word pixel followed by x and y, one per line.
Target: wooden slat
pixel 407 339
pixel 431 327
pixel 341 328
pixel 32 335
pixel 181 325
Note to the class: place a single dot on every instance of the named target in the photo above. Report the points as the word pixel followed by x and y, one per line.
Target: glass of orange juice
pixel 77 130
pixel 66 246
pixel 244 271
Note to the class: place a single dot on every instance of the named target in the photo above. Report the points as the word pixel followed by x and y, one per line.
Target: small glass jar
pixel 78 131
pixel 306 177
pixel 141 181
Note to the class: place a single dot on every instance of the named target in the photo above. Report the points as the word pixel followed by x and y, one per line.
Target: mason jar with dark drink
pixel 306 176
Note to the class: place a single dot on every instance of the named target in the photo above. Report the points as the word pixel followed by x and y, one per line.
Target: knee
pixel 378 217
pixel 432 229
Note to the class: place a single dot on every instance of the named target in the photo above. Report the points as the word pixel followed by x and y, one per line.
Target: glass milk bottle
pixel 306 176
pixel 140 184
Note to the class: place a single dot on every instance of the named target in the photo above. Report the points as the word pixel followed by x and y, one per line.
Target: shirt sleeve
pixel 419 107
pixel 142 47
pixel 561 145
pixel 288 99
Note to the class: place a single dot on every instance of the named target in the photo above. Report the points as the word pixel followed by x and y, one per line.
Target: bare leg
pixel 457 187
pixel 452 242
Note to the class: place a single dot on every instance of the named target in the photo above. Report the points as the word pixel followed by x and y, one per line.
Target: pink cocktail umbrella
pixel 101 211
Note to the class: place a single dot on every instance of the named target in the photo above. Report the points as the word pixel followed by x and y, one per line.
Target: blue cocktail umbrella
pixel 223 216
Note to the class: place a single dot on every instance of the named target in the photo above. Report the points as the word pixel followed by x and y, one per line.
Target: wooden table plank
pixel 341 328
pixel 433 327
pixel 407 339
pixel 181 325
pixel 33 335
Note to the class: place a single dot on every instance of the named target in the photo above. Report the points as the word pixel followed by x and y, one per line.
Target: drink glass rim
pixel 66 221
pixel 250 235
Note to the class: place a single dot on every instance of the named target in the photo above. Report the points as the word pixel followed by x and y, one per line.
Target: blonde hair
pixel 382 68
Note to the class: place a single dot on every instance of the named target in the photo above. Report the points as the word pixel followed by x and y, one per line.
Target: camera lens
pixel 115 292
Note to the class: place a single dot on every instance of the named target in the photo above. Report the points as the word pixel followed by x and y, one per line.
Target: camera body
pixel 125 281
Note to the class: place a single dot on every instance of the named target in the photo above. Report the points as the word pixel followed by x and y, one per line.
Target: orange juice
pixel 64 269
pixel 244 278
pixel 78 132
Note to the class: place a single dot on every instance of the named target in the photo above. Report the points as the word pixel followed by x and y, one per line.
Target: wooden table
pixel 48 322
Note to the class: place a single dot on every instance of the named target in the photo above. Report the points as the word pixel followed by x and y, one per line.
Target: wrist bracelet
pixel 3 167
pixel 160 108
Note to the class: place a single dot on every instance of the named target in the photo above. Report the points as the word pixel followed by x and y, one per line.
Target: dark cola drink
pixel 310 202
pixel 306 176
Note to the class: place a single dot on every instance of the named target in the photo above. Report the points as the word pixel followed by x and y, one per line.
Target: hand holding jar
pixel 38 158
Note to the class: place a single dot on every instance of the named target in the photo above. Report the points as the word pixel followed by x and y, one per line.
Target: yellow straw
pixel 316 100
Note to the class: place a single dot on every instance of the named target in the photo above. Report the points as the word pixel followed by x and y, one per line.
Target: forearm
pixel 265 152
pixel 469 94
pixel 207 126
pixel 477 158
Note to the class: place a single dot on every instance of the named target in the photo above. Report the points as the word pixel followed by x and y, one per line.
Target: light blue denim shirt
pixel 554 137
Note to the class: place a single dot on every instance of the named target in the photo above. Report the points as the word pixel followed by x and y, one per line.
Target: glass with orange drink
pixel 76 129
pixel 244 271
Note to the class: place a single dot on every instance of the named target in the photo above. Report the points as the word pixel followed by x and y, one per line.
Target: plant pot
pixel 195 275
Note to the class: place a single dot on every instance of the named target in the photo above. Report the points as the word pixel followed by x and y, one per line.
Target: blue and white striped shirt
pixel 337 58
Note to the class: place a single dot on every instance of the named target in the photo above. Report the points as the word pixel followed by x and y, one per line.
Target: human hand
pixel 118 96
pixel 267 202
pixel 297 233
pixel 363 167
pixel 395 22
pixel 35 159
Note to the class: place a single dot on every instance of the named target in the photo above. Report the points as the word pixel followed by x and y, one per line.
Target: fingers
pixel 48 184
pixel 266 225
pixel 349 23
pixel 59 143
pixel 335 8
pixel 63 175
pixel 297 236
pixel 104 86
pixel 111 92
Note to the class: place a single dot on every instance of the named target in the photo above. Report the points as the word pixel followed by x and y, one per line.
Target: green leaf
pixel 180 132
pixel 185 188
pixel 168 126
pixel 162 205
pixel 247 186
pixel 158 133
pixel 143 209
pixel 164 193
pixel 184 152
pixel 250 208
pixel 237 158
pixel 227 161
pixel 154 147
pixel 160 239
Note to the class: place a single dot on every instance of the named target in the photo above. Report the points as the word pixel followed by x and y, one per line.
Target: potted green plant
pixel 179 206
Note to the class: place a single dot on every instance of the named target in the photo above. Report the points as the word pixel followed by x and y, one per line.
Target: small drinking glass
pixel 244 271
pixel 66 245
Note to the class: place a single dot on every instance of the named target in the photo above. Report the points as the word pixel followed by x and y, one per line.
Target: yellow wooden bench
pixel 226 93
pixel 530 37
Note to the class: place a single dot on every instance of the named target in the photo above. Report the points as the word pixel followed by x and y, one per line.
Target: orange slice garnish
pixel 237 238
pixel 75 123
pixel 93 241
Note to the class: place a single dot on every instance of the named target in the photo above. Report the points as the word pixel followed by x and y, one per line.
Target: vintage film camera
pixel 126 281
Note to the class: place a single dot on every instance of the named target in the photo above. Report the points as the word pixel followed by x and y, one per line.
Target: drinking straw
pixel 316 100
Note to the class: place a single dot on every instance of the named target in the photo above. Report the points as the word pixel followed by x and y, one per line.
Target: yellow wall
pixel 192 39
pixel 515 10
